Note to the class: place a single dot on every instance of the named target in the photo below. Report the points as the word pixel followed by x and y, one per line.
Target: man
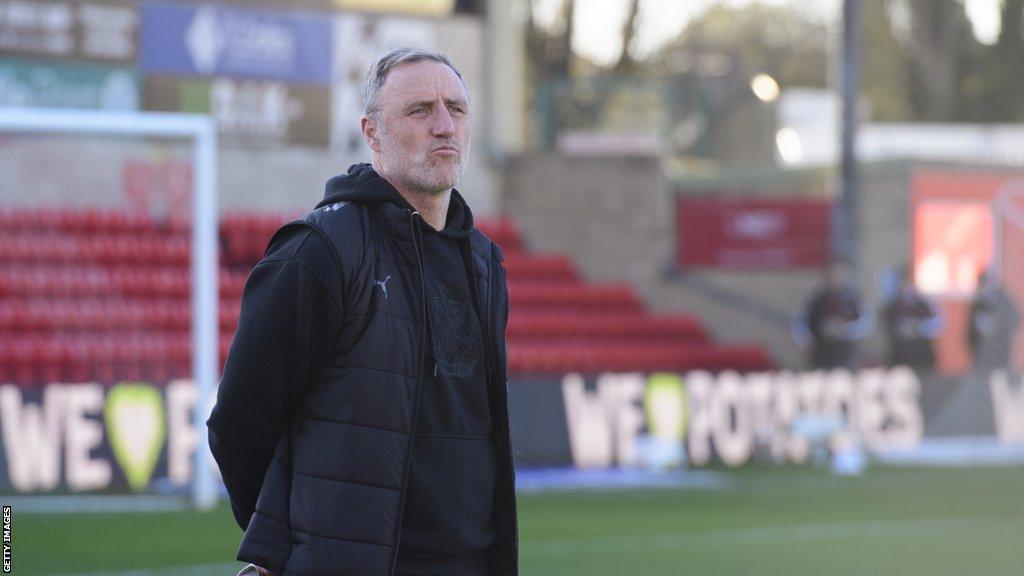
pixel 831 323
pixel 361 424
pixel 993 325
pixel 912 323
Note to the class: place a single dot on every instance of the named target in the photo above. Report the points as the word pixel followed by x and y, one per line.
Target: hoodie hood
pixel 362 184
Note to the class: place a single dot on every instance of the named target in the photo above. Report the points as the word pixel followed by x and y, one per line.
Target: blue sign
pixel 211 40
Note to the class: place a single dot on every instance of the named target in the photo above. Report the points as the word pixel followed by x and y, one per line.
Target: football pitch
pixel 781 521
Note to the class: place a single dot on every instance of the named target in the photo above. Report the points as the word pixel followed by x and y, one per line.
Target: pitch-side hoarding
pixel 86 437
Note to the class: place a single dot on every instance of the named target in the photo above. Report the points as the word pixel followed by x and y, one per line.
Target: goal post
pixel 201 130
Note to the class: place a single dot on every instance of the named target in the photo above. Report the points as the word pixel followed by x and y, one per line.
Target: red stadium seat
pixel 96 294
pixel 553 267
pixel 548 296
pixel 602 327
pixel 504 232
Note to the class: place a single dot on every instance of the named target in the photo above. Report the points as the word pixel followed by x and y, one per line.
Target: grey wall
pixel 612 214
pixel 884 226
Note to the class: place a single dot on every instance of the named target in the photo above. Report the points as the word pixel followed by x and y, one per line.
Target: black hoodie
pixel 448 523
pixel 448 519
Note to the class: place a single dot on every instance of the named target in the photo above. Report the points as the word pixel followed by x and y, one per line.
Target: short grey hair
pixel 380 69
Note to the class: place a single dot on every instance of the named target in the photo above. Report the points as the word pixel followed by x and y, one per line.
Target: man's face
pixel 420 133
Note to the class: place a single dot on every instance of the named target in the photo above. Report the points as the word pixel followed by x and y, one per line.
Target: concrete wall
pixel 884 228
pixel 78 171
pixel 612 214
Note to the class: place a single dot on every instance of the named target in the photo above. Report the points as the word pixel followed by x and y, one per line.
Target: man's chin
pixel 441 181
pixel 439 187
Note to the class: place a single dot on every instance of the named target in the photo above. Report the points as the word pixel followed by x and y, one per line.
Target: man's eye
pixel 419 111
pixel 457 109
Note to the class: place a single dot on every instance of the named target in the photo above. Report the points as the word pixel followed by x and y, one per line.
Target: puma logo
pixel 383 285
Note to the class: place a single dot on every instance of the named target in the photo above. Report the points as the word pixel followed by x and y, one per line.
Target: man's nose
pixel 443 124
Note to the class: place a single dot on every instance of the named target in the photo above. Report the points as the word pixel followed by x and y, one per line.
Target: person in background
pixel 831 322
pixel 912 322
pixel 993 324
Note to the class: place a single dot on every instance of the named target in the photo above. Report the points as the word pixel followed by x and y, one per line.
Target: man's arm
pixel 290 316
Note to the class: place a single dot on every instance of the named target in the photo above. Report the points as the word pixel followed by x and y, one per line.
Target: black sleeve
pixel 291 313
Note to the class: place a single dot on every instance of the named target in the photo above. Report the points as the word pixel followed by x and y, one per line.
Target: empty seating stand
pixel 100 295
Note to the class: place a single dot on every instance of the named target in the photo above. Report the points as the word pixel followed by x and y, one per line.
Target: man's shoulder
pixel 484 247
pixel 332 232
pixel 342 222
pixel 334 214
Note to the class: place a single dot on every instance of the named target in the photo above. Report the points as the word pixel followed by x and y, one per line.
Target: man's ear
pixel 370 133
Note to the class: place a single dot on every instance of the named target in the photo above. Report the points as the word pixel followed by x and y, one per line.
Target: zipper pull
pixel 435 369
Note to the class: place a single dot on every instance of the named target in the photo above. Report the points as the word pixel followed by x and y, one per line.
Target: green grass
pixel 766 522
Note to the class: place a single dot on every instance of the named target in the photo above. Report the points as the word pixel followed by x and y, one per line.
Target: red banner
pixel 753 233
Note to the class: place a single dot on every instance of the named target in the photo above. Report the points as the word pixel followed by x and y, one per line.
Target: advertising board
pixel 87 437
pixel 210 40
pixel 252 113
pixel 627 420
pixel 137 436
pixel 67 85
pixel 752 233
pixel 99 30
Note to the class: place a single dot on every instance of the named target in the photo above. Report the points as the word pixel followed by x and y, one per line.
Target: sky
pixel 599 22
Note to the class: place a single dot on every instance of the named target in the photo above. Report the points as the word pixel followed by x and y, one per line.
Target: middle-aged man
pixel 361 425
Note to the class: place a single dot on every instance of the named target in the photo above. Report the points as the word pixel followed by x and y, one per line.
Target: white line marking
pixel 97 504
pixel 765 534
pixel 218 569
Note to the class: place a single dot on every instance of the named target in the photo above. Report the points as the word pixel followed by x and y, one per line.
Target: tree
pixel 552 63
pixel 626 63
pixel 953 77
pixel 920 61
pixel 1005 81
pixel 713 60
pixel 776 40
pixel 884 65
pixel 550 49
pixel 942 44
